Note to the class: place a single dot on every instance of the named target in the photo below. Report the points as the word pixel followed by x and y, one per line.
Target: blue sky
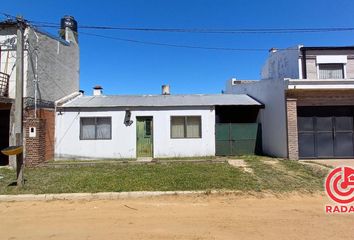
pixel 129 68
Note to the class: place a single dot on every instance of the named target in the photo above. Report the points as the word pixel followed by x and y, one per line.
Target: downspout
pixel 303 59
pixel 36 79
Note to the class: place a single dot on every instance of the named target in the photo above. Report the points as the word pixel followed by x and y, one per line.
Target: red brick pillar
pixel 34 141
pixel 292 131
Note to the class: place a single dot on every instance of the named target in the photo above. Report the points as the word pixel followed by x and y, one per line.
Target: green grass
pixel 206 158
pixel 287 176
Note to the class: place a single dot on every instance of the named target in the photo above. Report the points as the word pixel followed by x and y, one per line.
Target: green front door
pixel 144 134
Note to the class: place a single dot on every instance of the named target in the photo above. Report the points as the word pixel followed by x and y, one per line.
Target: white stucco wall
pixel 8 39
pixel 282 64
pixel 123 142
pixel 273 117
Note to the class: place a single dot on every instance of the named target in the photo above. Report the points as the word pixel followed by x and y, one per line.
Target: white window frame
pixel 95 139
pixel 332 59
pixel 344 70
pixel 185 126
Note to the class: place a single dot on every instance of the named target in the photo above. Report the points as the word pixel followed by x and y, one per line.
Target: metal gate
pixel 326 132
pixel 236 138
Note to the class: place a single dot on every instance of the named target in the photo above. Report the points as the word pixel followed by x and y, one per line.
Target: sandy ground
pixel 176 217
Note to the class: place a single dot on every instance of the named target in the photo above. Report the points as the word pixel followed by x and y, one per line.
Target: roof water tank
pixel 70 22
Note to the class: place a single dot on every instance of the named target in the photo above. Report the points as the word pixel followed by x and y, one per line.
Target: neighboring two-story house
pixel 308 94
pixel 51 72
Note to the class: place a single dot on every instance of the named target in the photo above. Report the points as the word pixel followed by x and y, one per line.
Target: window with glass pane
pixel 331 71
pixel 93 128
pixel 147 128
pixel 177 127
pixel 88 128
pixel 103 128
pixel 186 127
pixel 193 127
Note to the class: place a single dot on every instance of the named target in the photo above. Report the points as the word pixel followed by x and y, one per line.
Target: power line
pixel 38 24
pixel 208 30
pixel 173 45
pixel 198 30
pixel 8 15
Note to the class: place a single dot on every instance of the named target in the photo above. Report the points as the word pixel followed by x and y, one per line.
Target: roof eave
pixel 328 48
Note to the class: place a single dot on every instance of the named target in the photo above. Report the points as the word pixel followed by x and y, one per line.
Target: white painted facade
pixel 123 143
pixel 273 116
pixel 324 84
pixel 282 64
pixel 8 39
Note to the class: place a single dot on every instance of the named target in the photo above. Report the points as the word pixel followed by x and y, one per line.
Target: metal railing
pixel 4 84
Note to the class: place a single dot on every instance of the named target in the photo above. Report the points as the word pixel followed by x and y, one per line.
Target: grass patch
pixel 286 175
pixel 96 161
pixel 206 158
pixel 291 176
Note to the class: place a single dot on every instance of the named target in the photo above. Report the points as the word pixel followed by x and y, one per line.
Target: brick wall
pixel 323 97
pixel 35 145
pixel 292 133
pixel 41 148
pixel 311 65
pixel 49 116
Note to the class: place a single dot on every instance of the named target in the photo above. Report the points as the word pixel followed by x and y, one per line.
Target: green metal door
pixel 236 138
pixel 144 134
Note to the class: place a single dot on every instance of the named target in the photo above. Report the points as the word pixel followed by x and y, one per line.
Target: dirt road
pixel 176 217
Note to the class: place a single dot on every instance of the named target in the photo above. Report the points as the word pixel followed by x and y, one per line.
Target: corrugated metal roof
pixel 162 100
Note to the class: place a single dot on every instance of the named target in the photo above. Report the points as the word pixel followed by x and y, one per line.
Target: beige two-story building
pixel 308 93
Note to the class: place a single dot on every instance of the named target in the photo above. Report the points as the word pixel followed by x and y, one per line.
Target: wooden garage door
pixel 326 132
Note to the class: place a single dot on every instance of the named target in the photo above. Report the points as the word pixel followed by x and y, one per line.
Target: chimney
pixel 166 90
pixel 68 29
pixel 97 90
pixel 273 50
pixel 234 81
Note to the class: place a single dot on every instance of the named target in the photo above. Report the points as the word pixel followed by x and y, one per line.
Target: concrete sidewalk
pixel 334 163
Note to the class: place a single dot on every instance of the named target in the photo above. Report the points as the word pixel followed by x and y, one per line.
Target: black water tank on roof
pixel 70 22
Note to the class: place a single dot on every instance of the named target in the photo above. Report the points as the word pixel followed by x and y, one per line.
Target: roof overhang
pixel 328 48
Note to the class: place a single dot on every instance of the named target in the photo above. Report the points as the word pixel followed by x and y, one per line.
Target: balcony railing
pixel 4 84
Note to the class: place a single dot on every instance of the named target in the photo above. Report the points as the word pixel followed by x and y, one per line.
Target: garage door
pixel 326 132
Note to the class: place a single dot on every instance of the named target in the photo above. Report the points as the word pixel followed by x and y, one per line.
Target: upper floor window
pixel 186 127
pixel 331 71
pixel 95 128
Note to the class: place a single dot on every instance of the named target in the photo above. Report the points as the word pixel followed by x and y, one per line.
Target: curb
pixel 99 196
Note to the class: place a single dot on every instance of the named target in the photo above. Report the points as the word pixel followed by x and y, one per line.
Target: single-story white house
pixel 154 126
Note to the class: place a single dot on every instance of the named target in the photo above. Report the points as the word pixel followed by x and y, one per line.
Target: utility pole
pixel 21 25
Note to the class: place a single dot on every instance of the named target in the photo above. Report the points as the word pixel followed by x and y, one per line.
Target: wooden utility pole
pixel 21 25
